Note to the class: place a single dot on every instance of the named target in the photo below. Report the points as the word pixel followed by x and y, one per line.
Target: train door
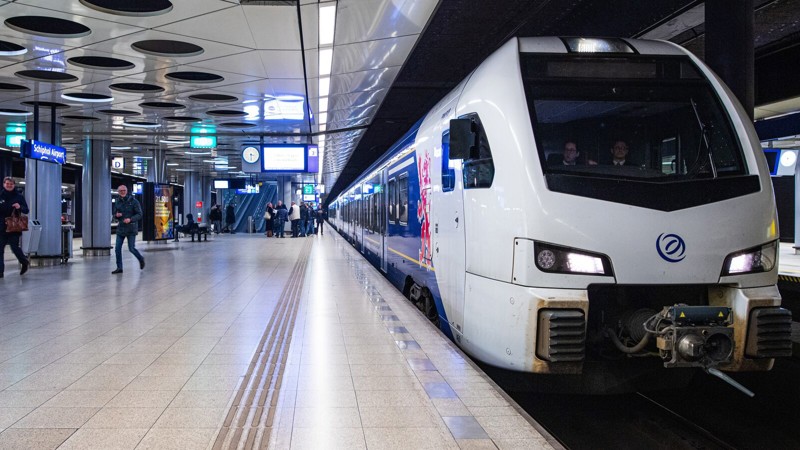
pixel 381 213
pixel 449 237
pixel 360 216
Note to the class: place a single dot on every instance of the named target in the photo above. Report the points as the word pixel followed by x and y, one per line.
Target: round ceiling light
pixel 47 26
pixel 46 76
pixel 237 125
pixel 46 104
pixel 213 98
pixel 226 113
pixel 83 118
pixel 167 48
pixel 101 63
pixel 194 77
pixel 8 87
pixel 136 88
pixel 11 49
pixel 162 105
pixel 118 112
pixel 138 8
pixel 140 124
pixel 14 112
pixel 186 119
pixel 86 97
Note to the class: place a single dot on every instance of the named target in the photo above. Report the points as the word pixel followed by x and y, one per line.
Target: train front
pixel 641 228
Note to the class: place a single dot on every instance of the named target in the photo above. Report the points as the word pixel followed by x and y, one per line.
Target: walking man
pixel 128 213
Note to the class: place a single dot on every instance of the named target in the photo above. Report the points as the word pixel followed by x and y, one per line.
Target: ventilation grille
pixel 561 335
pixel 770 333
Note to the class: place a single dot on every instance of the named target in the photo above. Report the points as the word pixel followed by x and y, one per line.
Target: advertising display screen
pixel 162 217
pixel 284 158
pixel 137 189
pixel 221 184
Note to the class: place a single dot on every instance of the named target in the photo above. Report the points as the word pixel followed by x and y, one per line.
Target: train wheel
pixel 430 308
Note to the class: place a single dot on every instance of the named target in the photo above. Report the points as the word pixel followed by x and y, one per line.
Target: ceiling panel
pixel 372 55
pixel 368 20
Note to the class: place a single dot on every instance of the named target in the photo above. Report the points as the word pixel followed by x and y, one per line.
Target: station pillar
pixel 6 164
pixel 96 198
pixel 730 48
pixel 43 195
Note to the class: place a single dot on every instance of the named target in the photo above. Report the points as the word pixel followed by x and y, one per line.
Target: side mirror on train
pixel 462 138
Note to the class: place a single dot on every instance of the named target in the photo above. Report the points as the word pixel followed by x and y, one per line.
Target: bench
pixel 201 230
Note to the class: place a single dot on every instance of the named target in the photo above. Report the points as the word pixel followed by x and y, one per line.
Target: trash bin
pixel 251 225
pixel 31 238
pixel 67 231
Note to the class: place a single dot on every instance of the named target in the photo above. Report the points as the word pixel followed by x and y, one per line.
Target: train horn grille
pixel 561 335
pixel 770 333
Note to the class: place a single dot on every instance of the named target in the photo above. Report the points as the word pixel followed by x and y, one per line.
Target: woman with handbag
pixel 12 206
pixel 269 216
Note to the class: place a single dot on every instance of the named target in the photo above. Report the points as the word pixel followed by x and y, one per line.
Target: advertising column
pixel 157 212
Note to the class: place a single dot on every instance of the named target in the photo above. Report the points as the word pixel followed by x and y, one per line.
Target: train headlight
pixel 753 260
pixel 558 259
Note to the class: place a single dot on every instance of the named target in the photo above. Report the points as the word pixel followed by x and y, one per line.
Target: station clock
pixel 250 154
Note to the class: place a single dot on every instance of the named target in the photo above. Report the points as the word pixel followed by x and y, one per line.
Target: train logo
pixel 671 247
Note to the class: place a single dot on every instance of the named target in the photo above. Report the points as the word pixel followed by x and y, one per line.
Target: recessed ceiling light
pixel 14 112
pixel 141 124
pixel 162 105
pixel 167 48
pixel 101 63
pixel 173 164
pixel 196 153
pixel 11 49
pixel 86 97
pixel 138 8
pixel 173 141
pixel 120 147
pixel 194 77
pixel 46 76
pixel 136 88
pixel 118 112
pixel 47 26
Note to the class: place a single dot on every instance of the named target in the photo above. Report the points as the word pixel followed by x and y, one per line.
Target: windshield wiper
pixel 704 134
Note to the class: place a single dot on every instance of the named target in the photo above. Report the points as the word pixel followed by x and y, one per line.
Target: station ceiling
pixel 244 68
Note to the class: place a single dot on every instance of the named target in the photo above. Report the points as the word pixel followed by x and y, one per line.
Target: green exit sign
pixel 14 140
pixel 203 141
pixel 308 189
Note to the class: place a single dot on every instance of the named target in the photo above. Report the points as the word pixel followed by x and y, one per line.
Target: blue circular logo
pixel 671 247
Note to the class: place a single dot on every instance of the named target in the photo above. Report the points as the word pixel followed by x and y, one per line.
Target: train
pixel 593 209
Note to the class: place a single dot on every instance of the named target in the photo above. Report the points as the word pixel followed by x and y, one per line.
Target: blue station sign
pixel 43 151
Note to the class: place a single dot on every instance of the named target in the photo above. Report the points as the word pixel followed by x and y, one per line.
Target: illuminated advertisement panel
pixel 162 216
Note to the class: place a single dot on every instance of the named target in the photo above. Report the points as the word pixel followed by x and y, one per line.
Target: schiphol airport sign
pixel 43 151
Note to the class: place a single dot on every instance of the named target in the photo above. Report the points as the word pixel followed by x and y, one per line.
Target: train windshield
pixel 653 119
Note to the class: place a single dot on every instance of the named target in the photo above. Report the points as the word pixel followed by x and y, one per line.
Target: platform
pixel 243 341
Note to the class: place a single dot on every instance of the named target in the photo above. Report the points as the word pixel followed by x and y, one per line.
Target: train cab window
pixel 448 172
pixel 479 168
pixel 402 199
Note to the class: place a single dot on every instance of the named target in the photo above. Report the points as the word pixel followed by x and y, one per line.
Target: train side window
pixel 479 168
pixel 448 173
pixel 402 200
pixel 392 200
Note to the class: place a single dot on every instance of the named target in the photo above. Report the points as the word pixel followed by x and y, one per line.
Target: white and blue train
pixel 661 240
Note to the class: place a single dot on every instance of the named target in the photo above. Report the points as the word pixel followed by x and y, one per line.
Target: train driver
pixel 619 153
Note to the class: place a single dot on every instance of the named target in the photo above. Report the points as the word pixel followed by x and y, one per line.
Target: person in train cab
pixel 128 213
pixel 282 215
pixel 215 216
pixel 619 153
pixel 269 218
pixel 303 219
pixel 11 201
pixel 294 217
pixel 230 218
pixel 320 219
pixel 570 154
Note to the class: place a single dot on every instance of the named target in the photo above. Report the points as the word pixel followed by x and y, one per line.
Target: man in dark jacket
pixel 216 218
pixel 321 215
pixel 280 221
pixel 128 213
pixel 230 218
pixel 11 202
pixel 302 229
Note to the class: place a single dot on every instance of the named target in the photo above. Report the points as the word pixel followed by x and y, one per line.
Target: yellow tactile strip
pixel 250 418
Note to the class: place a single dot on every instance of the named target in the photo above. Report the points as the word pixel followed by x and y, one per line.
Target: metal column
pixel 96 198
pixel 193 192
pixel 43 194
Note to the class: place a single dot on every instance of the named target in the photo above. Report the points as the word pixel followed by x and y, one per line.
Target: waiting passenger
pixel 230 218
pixel 303 219
pixel 191 227
pixel 294 217
pixel 619 153
pixel 280 220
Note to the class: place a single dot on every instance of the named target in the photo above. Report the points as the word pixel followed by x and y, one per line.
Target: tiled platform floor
pixel 153 358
